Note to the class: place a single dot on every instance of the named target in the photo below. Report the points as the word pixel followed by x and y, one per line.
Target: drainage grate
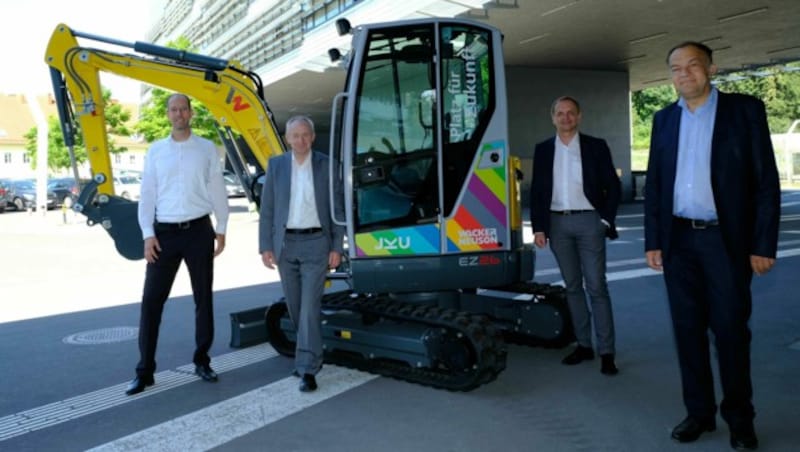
pixel 103 336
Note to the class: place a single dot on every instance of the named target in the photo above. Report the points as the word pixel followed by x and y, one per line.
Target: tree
pixel 58 154
pixel 777 86
pixel 644 104
pixel 153 123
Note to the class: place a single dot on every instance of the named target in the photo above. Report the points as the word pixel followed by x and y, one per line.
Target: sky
pixel 26 26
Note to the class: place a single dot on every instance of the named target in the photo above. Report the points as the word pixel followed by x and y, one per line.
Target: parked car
pixel 132 173
pixel 66 189
pixel 127 186
pixel 23 195
pixel 4 190
pixel 232 185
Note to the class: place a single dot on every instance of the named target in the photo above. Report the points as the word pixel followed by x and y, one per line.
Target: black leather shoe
pixel 206 373
pixel 138 384
pixel 308 383
pixel 744 439
pixel 607 366
pixel 690 429
pixel 580 354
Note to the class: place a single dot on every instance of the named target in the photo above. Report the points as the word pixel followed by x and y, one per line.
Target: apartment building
pixel 17 118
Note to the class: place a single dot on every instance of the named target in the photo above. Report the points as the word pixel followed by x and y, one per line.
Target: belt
pixel 304 231
pixel 181 225
pixel 570 212
pixel 696 224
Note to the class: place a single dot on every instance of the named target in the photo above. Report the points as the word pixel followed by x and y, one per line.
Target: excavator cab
pixel 421 135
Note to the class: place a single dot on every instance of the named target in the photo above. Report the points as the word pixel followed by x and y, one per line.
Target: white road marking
pixel 788 253
pixel 630 274
pixel 647 271
pixel 619 263
pixel 225 421
pixel 93 402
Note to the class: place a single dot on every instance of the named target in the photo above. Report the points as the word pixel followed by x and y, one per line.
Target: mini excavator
pixel 438 278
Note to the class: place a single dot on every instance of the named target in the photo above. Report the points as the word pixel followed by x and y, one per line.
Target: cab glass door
pixel 395 172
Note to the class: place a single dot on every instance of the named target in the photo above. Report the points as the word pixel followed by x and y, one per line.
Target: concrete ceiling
pixel 614 35
pixel 635 35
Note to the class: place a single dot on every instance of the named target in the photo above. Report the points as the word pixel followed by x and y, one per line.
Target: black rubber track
pixel 487 350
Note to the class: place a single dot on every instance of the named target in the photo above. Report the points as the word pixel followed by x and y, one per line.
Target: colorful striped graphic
pixel 481 220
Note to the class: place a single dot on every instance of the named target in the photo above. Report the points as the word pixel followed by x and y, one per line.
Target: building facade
pixel 17 119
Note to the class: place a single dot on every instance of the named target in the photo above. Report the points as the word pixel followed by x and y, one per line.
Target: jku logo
pixel 397 243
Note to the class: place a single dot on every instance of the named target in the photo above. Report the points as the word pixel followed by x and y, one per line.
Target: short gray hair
pixel 299 118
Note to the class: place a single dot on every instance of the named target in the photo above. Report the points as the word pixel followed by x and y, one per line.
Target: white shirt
pixel 302 205
pixel 568 177
pixel 182 180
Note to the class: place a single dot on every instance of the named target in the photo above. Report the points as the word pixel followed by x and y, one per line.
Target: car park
pixel 22 195
pixel 232 185
pixel 127 186
pixel 66 189
pixel 4 190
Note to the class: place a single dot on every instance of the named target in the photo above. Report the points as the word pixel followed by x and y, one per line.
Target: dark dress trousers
pixel 191 242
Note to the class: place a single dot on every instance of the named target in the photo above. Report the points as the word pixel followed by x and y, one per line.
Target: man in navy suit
pixel 574 198
pixel 712 208
pixel 297 234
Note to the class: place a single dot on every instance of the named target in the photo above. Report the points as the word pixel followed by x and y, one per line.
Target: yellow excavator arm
pixel 233 95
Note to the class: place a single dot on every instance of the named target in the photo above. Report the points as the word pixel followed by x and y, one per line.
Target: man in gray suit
pixel 296 233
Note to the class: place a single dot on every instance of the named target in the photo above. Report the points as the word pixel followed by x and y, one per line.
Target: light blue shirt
pixel 692 195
